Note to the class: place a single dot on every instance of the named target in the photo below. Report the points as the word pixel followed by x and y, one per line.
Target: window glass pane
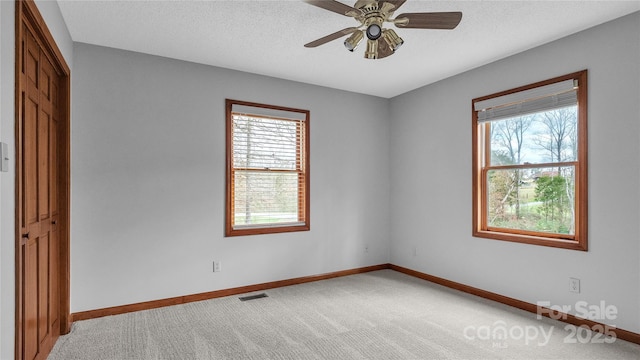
pixel 265 197
pixel 261 143
pixel 543 137
pixel 535 199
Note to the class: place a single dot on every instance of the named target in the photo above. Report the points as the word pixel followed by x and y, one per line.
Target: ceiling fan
pixel 372 14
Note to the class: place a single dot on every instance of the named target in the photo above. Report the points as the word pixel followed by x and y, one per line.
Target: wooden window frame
pixel 303 176
pixel 480 229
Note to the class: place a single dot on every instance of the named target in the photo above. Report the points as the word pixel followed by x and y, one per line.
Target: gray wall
pixel 148 175
pixel 51 14
pixel 431 178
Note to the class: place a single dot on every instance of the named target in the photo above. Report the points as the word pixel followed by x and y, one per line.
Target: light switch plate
pixel 4 157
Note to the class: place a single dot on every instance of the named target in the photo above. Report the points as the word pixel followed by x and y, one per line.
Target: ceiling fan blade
pixel 383 49
pixel 396 3
pixel 436 20
pixel 335 6
pixel 330 37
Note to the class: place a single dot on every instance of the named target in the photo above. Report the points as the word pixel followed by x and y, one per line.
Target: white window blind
pixel 268 167
pixel 552 96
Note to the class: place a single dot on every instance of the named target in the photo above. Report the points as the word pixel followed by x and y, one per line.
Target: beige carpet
pixel 377 315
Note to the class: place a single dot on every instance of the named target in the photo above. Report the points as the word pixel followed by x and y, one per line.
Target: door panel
pixel 40 234
pixel 43 165
pixel 30 163
pixel 43 287
pixel 42 186
pixel 30 263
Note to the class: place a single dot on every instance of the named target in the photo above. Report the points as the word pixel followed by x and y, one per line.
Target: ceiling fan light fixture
pixel 392 39
pixel 353 41
pixel 374 31
pixel 372 49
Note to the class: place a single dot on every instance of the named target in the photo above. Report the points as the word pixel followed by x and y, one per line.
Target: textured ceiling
pixel 267 37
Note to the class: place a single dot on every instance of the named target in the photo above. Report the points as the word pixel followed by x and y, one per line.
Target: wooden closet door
pixel 39 242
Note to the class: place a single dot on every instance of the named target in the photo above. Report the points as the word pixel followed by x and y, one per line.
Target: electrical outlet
pixel 574 285
pixel 217 267
pixel 366 248
pixel 415 251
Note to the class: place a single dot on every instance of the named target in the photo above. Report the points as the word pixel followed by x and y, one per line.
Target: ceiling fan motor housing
pixel 373 17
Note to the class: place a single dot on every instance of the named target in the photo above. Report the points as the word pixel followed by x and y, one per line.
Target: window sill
pixel 532 240
pixel 254 230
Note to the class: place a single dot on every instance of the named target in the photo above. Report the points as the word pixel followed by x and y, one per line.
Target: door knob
pixel 25 236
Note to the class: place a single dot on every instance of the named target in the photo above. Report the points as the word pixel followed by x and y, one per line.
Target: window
pixel 267 169
pixel 530 163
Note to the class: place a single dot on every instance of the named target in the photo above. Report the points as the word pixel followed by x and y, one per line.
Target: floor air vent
pixel 252 297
